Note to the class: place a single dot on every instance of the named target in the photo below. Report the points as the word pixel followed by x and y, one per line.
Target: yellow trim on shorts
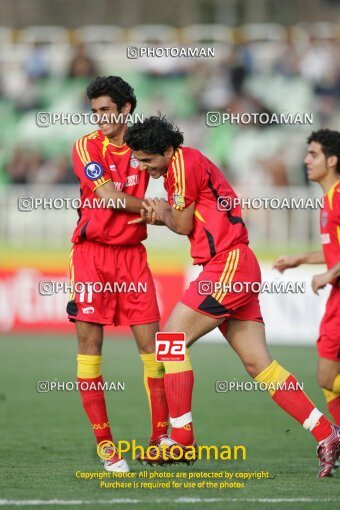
pixel 228 274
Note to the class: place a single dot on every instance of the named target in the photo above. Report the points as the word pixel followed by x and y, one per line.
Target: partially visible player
pixel 108 250
pixel 219 241
pixel 323 167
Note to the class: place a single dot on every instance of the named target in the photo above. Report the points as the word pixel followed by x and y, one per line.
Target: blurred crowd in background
pixel 257 68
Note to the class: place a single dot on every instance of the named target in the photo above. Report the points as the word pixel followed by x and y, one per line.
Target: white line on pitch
pixel 72 502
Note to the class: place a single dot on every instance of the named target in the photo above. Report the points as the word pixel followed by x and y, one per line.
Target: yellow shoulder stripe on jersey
pixel 175 156
pixel 94 134
pixel 182 170
pixel 198 215
pixel 174 167
pixel 79 151
pixel 179 174
pixel 81 146
pixel 330 194
pixel 100 182
pixel 228 274
pixel 338 232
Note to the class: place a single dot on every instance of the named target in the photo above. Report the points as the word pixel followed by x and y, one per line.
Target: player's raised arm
pixel 335 270
pixel 313 257
pixel 290 261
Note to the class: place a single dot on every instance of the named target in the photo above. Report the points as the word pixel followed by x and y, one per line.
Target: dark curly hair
pixel 154 135
pixel 116 88
pixel 330 143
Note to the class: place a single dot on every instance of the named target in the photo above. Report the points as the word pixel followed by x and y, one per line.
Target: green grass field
pixel 46 437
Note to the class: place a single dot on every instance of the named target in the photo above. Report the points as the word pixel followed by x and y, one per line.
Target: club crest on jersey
pixel 93 170
pixel 134 163
pixel 324 218
pixel 179 200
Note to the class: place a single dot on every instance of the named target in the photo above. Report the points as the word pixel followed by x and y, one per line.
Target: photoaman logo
pixel 106 450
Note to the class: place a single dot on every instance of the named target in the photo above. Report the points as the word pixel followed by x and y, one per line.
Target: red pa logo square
pixel 170 346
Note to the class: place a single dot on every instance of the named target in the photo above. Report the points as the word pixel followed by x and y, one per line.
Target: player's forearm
pixel 131 204
pixel 119 200
pixel 167 218
pixel 313 257
pixel 334 272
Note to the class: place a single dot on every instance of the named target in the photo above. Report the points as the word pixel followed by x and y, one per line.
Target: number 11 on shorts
pixel 170 346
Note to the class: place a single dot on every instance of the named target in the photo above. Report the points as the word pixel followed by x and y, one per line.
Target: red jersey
pixel 97 161
pixel 330 226
pixel 218 224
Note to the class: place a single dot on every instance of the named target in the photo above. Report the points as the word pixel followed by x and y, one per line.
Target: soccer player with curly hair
pixel 219 242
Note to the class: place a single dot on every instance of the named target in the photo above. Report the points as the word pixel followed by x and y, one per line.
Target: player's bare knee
pixel 144 335
pixel 145 343
pixel 146 348
pixel 90 338
pixel 327 372
pixel 325 380
pixel 89 348
pixel 255 367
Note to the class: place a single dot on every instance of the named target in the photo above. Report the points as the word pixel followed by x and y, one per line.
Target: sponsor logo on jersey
pixel 179 200
pixel 134 163
pixel 325 238
pixel 88 310
pixel 93 170
pixel 132 180
pixel 324 218
pixel 113 168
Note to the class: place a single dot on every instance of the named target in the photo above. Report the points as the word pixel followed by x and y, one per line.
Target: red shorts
pixel 113 285
pixel 329 336
pixel 224 287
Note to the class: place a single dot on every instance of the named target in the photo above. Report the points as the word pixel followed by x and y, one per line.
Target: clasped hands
pixel 152 212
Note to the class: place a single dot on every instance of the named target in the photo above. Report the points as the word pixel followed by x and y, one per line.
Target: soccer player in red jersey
pixel 108 251
pixel 201 205
pixel 323 167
